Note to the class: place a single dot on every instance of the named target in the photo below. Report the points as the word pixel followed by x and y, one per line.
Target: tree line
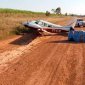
pixel 55 11
pixel 58 12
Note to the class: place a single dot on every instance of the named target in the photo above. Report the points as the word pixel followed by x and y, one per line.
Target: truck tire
pixel 78 25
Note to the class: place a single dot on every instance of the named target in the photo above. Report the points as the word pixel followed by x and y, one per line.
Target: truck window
pixel 80 20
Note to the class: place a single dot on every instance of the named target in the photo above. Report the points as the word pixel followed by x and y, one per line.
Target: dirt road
pixel 48 60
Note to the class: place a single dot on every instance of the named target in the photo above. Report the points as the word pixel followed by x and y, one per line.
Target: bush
pixel 47 13
pixel 20 30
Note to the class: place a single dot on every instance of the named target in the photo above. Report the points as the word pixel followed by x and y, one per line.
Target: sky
pixel 67 6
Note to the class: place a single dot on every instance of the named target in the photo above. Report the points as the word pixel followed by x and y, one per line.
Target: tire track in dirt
pixel 35 58
pixel 70 71
pixel 51 79
pixel 83 64
pixel 16 42
pixel 9 56
pixel 4 44
pixel 48 69
pixel 79 67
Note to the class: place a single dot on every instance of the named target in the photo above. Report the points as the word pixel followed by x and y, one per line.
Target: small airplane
pixel 46 27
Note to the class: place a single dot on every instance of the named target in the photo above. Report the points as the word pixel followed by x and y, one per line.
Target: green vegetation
pixel 18 11
pixel 20 30
pixel 11 20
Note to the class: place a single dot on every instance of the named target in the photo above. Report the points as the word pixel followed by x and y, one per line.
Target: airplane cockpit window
pixel 37 22
pixel 43 24
pixel 49 25
pixel 40 23
pixel 79 19
pixel 46 25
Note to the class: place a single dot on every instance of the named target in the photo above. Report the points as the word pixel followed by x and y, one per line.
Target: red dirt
pixel 48 60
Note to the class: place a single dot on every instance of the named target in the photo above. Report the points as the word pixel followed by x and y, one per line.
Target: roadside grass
pixel 7 10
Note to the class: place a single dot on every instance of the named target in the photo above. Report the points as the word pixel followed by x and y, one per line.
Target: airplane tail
pixel 72 23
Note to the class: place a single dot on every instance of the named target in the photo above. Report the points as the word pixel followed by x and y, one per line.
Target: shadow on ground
pixel 65 34
pixel 65 41
pixel 25 39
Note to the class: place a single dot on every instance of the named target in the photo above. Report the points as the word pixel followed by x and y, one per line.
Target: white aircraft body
pixel 44 26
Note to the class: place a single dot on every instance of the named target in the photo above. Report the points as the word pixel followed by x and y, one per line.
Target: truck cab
pixel 79 22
